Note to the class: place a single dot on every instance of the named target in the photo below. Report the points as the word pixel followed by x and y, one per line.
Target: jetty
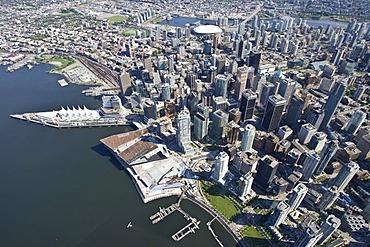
pixel 190 228
pixel 183 232
pixel 162 213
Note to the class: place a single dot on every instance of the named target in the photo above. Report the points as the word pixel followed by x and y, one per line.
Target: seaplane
pixel 129 225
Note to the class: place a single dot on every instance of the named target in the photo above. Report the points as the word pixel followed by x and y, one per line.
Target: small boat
pixel 29 66
pixel 129 225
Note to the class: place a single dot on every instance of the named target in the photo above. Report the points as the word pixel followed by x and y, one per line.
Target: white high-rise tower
pixel 221 167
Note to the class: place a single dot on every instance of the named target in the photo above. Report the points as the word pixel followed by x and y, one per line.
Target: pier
pixel 190 228
pixel 164 212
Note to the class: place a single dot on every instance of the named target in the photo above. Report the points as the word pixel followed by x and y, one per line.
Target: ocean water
pixel 61 187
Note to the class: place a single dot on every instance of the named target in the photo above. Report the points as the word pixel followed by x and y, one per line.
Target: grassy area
pixel 39 36
pixel 59 61
pixel 254 237
pixel 129 32
pixel 257 210
pixel 117 18
pixel 216 196
pixel 157 19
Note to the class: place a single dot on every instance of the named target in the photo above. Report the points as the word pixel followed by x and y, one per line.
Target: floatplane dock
pixel 164 212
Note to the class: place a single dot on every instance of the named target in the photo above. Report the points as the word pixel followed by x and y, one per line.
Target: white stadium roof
pixel 207 29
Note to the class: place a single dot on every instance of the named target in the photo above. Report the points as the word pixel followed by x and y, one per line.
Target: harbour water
pixel 181 21
pixel 61 187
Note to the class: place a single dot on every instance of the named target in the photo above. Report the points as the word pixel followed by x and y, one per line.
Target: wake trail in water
pixel 92 230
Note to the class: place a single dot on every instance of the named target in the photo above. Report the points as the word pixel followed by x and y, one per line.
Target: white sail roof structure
pixel 71 114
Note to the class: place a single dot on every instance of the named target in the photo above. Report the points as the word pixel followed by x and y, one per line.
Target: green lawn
pixel 117 18
pixel 59 61
pixel 39 36
pixel 157 19
pixel 129 32
pixel 219 200
pixel 254 237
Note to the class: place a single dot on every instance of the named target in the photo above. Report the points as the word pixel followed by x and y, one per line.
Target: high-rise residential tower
pixel 328 227
pixel 329 150
pixel 221 86
pixel 183 129
pixel 248 133
pixel 345 175
pixel 221 167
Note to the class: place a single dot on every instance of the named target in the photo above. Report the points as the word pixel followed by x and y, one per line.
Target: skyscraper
pixel 273 113
pixel 200 126
pixel 286 89
pixel 328 198
pixel 355 123
pixel 241 81
pixel 332 103
pixel 166 93
pixel 232 132
pixel 266 171
pixel 248 133
pixel 297 196
pixel 346 173
pixel 245 185
pixel 329 150
pixel 247 104
pixel 221 86
pixel 305 133
pixel 360 90
pixel 309 165
pixel 294 110
pixel 219 124
pixel 317 142
pixel 221 167
pixel 150 110
pixel 328 227
pixel 183 129
pixel 280 213
pixel 310 237
pixel 315 117
pixel 267 89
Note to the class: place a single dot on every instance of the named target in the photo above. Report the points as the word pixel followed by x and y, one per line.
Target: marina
pixel 183 232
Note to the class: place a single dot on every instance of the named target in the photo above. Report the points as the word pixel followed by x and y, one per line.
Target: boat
pixel 29 66
pixel 129 225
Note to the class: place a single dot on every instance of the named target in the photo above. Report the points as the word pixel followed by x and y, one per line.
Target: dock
pixel 190 228
pixel 164 212
pixel 62 83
